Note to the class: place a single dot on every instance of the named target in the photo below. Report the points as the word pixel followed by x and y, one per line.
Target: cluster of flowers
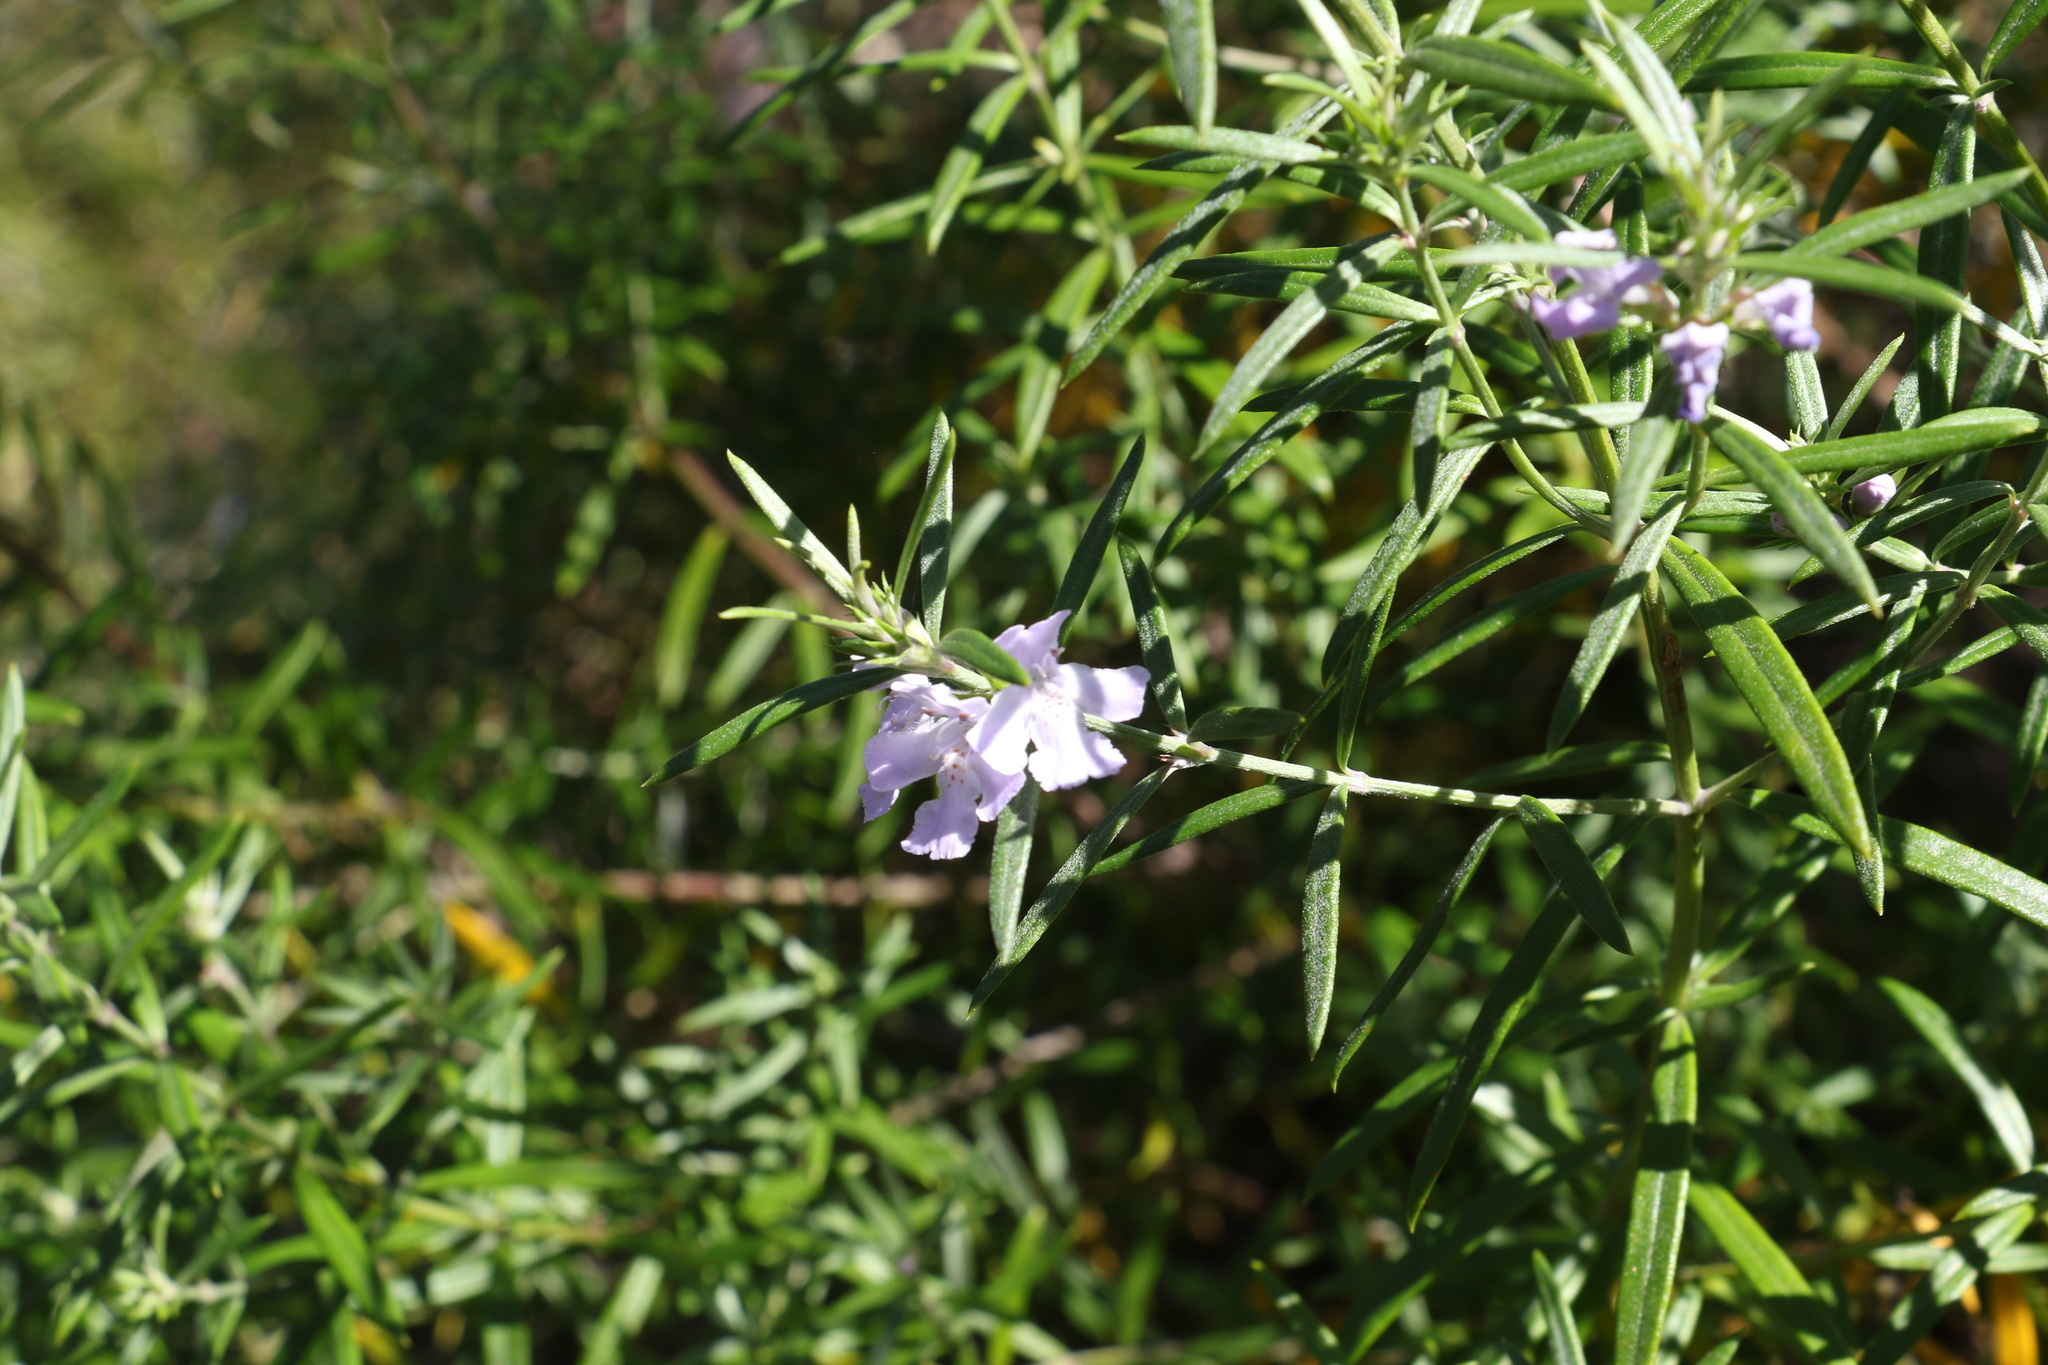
pixel 977 746
pixel 1695 348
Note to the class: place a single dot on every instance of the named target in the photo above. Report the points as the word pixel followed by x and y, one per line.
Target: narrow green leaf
pixel 1491 64
pixel 1249 457
pixel 1497 202
pixel 1418 949
pixel 1954 1272
pixel 1796 70
pixel 1387 1113
pixel 1919 849
pixel 1319 917
pixel 1904 215
pixel 167 903
pixel 965 159
pixel 1656 1221
pixel 1545 421
pixel 282 678
pixel 1096 539
pixel 342 1244
pixel 1155 638
pixel 1571 761
pixel 2008 1118
pixel 2027 621
pixel 928 542
pixel 2021 19
pixel 1794 1309
pixel 984 655
pixel 758 720
pixel 1861 389
pixel 1046 338
pixel 1825 612
pixel 821 66
pixel 1180 243
pixel 1295 322
pixel 1804 397
pixel 1311 1331
pixel 1204 819
pixel 1237 142
pixel 1505 1003
pixel 1565 1346
pixel 1574 872
pixel 1478 571
pixel 2033 739
pixel 1610 624
pixel 1010 863
pixel 1775 689
pixel 682 618
pixel 1482 626
pixel 1060 890
pixel 1649 451
pixel 1191 45
pixel 88 819
pixel 1242 722
pixel 791 531
pixel 1810 518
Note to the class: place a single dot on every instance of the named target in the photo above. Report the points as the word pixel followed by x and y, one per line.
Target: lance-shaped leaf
pixel 1295 322
pixel 1794 1309
pixel 933 529
pixel 1505 1003
pixel 1811 520
pixel 1191 46
pixel 984 655
pixel 2001 1106
pixel 1545 421
pixel 1656 1217
pixel 2033 739
pixel 1096 538
pixel 1478 571
pixel 964 161
pixel 1491 64
pixel 1775 689
pixel 1565 1346
pixel 1497 202
pixel 1310 1330
pixel 759 720
pixel 1155 638
pixel 1038 374
pixel 791 531
pixel 1803 394
pixel 1387 1113
pixel 1319 917
pixel 1016 823
pixel 1237 142
pixel 821 66
pixel 1649 450
pixel 1610 624
pixel 1574 871
pixel 1904 215
pixel 1921 850
pixel 342 1244
pixel 1418 949
pixel 1861 389
pixel 1180 242
pixel 1797 70
pixel 2026 620
pixel 1396 551
pixel 1955 1271
pixel 1482 626
pixel 1204 819
pixel 1227 723
pixel 2021 19
pixel 1052 901
pixel 1569 762
pixel 1248 458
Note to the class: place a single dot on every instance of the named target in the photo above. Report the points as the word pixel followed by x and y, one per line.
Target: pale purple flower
pixel 1595 306
pixel 1787 307
pixel 1868 498
pixel 1048 713
pixel 1695 350
pixel 924 733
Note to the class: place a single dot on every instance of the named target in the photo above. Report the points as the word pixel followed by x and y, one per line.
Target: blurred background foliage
pixel 355 360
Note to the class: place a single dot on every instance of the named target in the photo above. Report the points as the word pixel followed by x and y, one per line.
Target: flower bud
pixel 1869 497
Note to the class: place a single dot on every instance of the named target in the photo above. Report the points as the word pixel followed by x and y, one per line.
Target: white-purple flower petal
pixel 1696 350
pixel 1787 308
pixel 1043 725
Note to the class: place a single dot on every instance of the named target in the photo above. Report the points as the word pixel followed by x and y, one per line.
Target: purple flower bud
pixel 1780 526
pixel 1868 498
pixel 1787 307
pixel 1695 350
